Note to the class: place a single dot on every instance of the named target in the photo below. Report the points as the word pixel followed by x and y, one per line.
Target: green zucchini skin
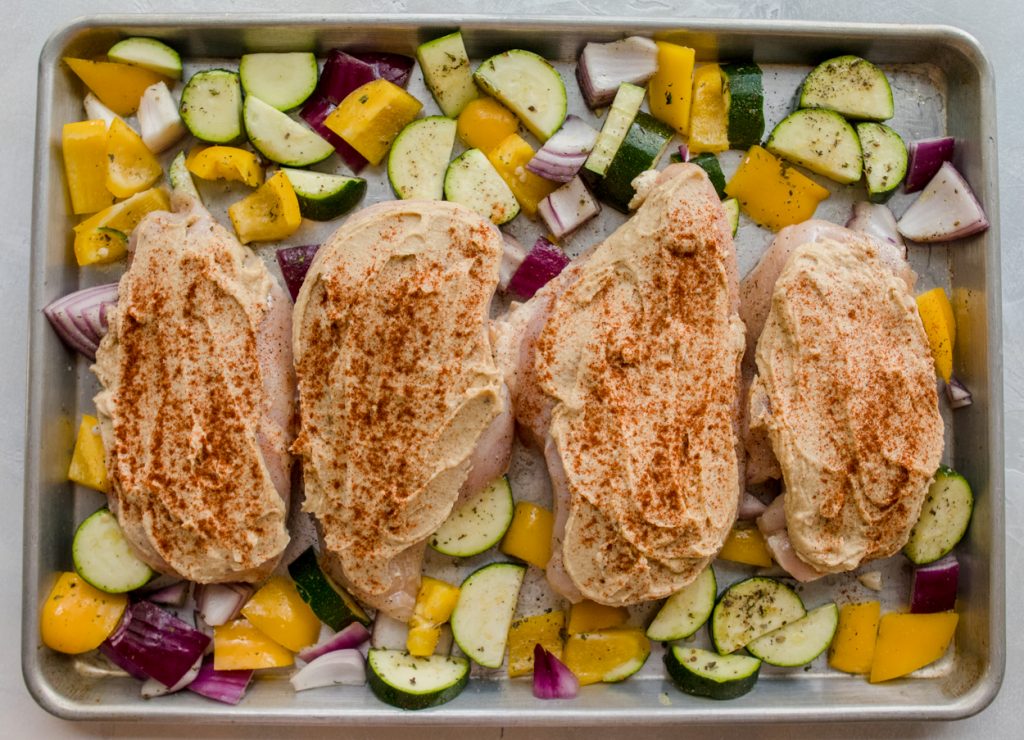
pixel 435 692
pixel 885 160
pixel 944 519
pixel 701 672
pixel 333 607
pixel 751 608
pixel 640 150
pixel 709 163
pixel 744 100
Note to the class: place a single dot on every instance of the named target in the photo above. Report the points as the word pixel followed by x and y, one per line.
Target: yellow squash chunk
pixel 773 193
pixel 510 158
pixel 484 123
pixel 671 89
pixel 77 617
pixel 131 167
pixel 610 655
pixel 281 614
pixel 84 146
pixel 94 247
pixel 526 633
pixel 940 326
pixel 745 544
pixel 118 86
pixel 435 601
pixel 853 647
pixel 589 616
pixel 225 163
pixel 371 116
pixel 239 646
pixel 907 642
pixel 87 462
pixel 529 536
pixel 100 246
pixel 269 214
pixel 709 125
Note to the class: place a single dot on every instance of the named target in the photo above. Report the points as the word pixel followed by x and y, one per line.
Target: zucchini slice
pixel 849 85
pixel 447 72
pixel 281 80
pixel 331 604
pixel 704 673
pixel 323 196
pixel 103 557
pixel 820 140
pixel 419 158
pixel 211 106
pixel 406 682
pixel 477 525
pixel 732 212
pixel 472 181
pixel 885 160
pixel 620 116
pixel 686 611
pixel 483 613
pixel 528 86
pixel 799 642
pixel 944 518
pixel 149 54
pixel 709 163
pixel 280 138
pixel 180 178
pixel 751 608
pixel 641 150
pixel 744 104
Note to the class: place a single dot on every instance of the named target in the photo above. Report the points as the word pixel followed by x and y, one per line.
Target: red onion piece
pixel 314 112
pixel 80 318
pixel 925 156
pixel 396 68
pixel 875 219
pixel 155 643
pixel 543 263
pixel 568 208
pixel 511 257
pixel 219 603
pixel 564 153
pixel 957 393
pixel 603 67
pixel 294 263
pixel 552 679
pixel 345 667
pixel 389 633
pixel 173 595
pixel 224 686
pixel 342 73
pixel 773 518
pixel 122 662
pixel 946 210
pixel 751 507
pixel 152 688
pixel 934 587
pixel 348 638
pixel 684 152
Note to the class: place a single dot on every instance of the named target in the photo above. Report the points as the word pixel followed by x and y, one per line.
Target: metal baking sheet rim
pixel 979 696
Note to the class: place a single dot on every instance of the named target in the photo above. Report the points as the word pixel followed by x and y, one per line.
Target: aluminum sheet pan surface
pixel 941 83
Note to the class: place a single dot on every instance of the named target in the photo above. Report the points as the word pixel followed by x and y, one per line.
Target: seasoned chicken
pixel 197 406
pixel 402 405
pixel 845 395
pixel 625 372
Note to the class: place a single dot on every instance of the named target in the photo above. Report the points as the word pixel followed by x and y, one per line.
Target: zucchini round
pixel 281 138
pixel 851 86
pixel 419 158
pixel 528 86
pixel 799 642
pixel 686 611
pixel 704 673
pixel 483 613
pixel 323 196
pixel 281 80
pixel 885 160
pixel 103 557
pixel 944 518
pixel 752 608
pixel 477 525
pixel 472 181
pixel 820 140
pixel 211 106
pixel 332 605
pixel 406 682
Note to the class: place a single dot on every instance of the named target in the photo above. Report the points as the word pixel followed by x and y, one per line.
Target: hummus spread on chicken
pixel 846 391
pixel 197 402
pixel 397 383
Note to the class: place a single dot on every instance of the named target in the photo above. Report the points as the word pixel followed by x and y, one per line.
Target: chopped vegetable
pixel 348 638
pixel 853 647
pixel 483 613
pixel 211 106
pixel 84 148
pixel 752 608
pixel 223 686
pixel 323 196
pixel 751 507
pixel 407 682
pixel 709 163
pixel 225 163
pixel 907 642
pixel 799 642
pixel 131 166
pixel 80 318
pixel 76 617
pixel 885 160
pixel 543 630
pixel 447 72
pixel 771 193
pixel 544 262
pixel 926 156
pixel 512 257
pixel 389 633
pixel 568 208
pixel 159 120
pixel 269 214
pixel 118 86
pixel 125 216
pixel 743 94
pixel 435 601
pixel 396 68
pixel 341 667
pixel 315 112
pixel 294 263
pixel 528 86
pixel 172 595
pixel 934 587
pixel 947 209
pixel 703 673
pixel 640 151
pixel 852 86
pixel 529 536
pixel 238 645
pixel 820 140
pixel 940 326
pixel 603 67
pixel 607 656
pixel 151 688
pixel 156 643
pixel 510 158
pixel 280 613
pixel 87 462
pixel 100 246
pixel 624 109
pixel 148 53
pixel 958 394
pixel 103 557
pixel 875 219
pixel 180 178
pixel 280 138
pixel 96 111
pixel 745 544
pixel 371 116
pixel 709 123
pixel 419 158
pixel 220 603
pixel 472 181
pixel 589 616
pixel 552 679
pixel 944 517
pixel 484 123
pixel 563 154
pixel 331 603
pixel 282 80
pixel 671 87
pixel 478 524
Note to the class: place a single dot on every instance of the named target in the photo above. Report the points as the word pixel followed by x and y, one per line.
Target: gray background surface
pixel 996 24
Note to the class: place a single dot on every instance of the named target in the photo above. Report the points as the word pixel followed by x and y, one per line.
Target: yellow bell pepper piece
pixel 526 633
pixel 131 167
pixel 589 616
pixel 95 247
pixel 269 214
pixel 434 604
pixel 940 326
pixel 371 116
pixel 670 90
pixel 907 642
pixel 606 656
pixel 118 86
pixel 745 544
pixel 100 246
pixel 87 462
pixel 84 146
pixel 853 647
pixel 773 193
pixel 529 536
pixel 281 614
pixel 510 158
pixel 239 646
pixel 709 126
pixel 77 617
pixel 225 163
pixel 484 123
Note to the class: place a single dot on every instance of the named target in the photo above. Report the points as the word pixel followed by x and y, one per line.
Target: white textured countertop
pixel 996 24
